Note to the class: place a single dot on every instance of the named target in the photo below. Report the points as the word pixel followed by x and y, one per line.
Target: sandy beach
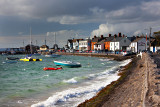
pixel 138 88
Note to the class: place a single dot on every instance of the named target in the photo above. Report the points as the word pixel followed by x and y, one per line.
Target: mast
pixel 55 38
pixel 45 40
pixel 31 40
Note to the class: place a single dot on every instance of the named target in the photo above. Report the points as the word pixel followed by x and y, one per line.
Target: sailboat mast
pixel 31 40
pixel 55 38
pixel 45 40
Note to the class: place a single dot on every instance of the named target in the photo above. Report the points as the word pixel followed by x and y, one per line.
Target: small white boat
pixel 67 64
pixel 53 55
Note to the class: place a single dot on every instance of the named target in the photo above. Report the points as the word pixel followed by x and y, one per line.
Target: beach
pixel 138 88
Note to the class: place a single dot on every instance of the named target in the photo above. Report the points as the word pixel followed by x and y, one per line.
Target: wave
pixel 72 80
pixel 73 96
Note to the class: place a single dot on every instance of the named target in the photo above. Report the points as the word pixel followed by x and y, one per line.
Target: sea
pixel 25 84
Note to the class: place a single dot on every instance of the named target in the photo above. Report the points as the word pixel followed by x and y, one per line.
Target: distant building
pixel 69 44
pixel 44 47
pixel 107 42
pixel 96 40
pixel 30 48
pixel 99 46
pixel 85 45
pixel 119 43
pixel 76 44
pixel 139 44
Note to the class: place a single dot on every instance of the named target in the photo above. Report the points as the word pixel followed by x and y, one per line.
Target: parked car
pixel 158 51
pixel 130 53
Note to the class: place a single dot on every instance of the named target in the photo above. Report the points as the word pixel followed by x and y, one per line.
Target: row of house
pixel 111 43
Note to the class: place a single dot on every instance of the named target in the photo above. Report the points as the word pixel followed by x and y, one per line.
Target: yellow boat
pixel 30 59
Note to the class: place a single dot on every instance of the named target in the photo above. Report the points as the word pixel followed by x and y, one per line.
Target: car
pixel 130 53
pixel 158 51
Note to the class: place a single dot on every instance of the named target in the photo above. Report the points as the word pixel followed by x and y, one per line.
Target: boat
pixel 10 61
pixel 47 68
pixel 29 58
pixel 12 58
pixel 52 55
pixel 67 64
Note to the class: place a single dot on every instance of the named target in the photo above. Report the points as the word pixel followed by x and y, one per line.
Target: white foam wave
pixel 72 80
pixel 104 59
pixel 76 95
pixel 125 62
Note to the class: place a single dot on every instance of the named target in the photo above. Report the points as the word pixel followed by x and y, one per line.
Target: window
pixel 124 41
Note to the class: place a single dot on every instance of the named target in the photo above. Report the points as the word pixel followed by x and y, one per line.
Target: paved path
pixel 141 88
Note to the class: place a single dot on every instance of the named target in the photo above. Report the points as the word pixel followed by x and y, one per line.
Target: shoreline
pixel 137 87
pixel 104 94
pixel 117 57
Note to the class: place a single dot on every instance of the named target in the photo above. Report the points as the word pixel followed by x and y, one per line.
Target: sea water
pixel 26 84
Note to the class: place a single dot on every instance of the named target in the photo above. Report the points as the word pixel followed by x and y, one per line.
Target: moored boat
pixel 48 68
pixel 67 64
pixel 29 58
pixel 53 55
pixel 12 58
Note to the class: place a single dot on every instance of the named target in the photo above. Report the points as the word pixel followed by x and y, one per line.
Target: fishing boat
pixel 52 55
pixel 67 64
pixel 48 68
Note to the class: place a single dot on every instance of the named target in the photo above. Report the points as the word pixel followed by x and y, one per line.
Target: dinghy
pixel 47 68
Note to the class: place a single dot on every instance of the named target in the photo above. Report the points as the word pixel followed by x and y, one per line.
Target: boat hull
pixel 71 65
pixel 46 68
pixel 30 59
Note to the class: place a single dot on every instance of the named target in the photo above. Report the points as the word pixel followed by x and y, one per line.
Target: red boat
pixel 46 68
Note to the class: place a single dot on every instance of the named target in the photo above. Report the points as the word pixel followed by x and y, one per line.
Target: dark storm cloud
pixel 17 16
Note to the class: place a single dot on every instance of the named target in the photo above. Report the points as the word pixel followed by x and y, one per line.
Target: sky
pixel 67 19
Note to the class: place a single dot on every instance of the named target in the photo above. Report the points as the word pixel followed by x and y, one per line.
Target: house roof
pixel 96 39
pixel 109 39
pixel 70 40
pixel 137 39
pixel 117 39
pixel 131 38
pixel 101 42
pixel 74 40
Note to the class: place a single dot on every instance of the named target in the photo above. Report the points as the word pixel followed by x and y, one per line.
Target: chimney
pixel 101 36
pixel 119 34
pixel 115 35
pixel 137 37
pixel 109 35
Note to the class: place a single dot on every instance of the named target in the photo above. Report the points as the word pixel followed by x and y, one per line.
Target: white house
pixel 119 43
pixel 85 44
pixel 100 45
pixel 139 44
pixel 76 44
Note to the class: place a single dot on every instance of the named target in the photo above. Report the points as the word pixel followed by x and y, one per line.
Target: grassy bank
pixel 105 93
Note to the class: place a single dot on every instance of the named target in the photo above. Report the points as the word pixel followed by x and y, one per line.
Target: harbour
pixel 26 84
